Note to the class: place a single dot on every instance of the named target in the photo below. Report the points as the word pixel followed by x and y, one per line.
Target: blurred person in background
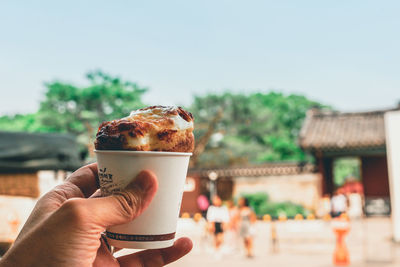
pixel 247 218
pixel 274 238
pixel 232 233
pixel 355 210
pixel 354 191
pixel 324 206
pixel 217 217
pixel 199 233
pixel 339 203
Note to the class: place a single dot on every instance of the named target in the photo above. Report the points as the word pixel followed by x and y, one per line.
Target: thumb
pixel 124 206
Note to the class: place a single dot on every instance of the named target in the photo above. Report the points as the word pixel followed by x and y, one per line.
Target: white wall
pixel 301 189
pixel 50 179
pixel 392 128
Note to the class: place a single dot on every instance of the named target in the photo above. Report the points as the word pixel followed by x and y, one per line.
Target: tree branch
pixel 203 141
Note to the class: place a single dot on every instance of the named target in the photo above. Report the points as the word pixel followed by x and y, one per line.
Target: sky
pixel 343 53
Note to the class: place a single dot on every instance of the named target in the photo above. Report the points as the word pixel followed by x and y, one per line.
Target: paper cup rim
pixel 128 152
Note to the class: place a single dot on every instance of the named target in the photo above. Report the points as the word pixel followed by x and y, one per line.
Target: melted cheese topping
pixel 159 114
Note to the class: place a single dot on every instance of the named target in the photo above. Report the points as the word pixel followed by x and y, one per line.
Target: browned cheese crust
pixel 148 133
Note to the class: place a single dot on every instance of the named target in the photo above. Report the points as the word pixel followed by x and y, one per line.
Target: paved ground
pixel 304 243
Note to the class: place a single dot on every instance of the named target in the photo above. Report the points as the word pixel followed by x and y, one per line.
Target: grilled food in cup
pixel 155 128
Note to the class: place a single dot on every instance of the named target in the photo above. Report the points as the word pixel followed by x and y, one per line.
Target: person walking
pixel 339 204
pixel 217 217
pixel 246 228
pixel 232 233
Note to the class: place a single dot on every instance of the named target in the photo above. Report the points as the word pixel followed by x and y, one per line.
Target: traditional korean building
pixel 30 165
pixel 23 155
pixel 329 135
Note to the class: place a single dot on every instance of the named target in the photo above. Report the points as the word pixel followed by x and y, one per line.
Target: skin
pixel 218 238
pixel 65 226
pixel 248 241
pixel 233 223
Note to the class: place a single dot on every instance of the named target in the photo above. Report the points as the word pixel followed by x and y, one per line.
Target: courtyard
pixel 300 243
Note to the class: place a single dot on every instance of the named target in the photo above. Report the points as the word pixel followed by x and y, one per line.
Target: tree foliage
pixel 79 110
pixel 22 123
pixel 229 128
pixel 346 168
pixel 254 128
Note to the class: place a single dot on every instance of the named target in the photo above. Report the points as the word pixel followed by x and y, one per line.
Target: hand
pixel 65 227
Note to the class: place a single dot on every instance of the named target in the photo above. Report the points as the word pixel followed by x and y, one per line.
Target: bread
pixel 155 128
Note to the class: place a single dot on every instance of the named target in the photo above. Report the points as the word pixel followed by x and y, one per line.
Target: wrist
pixel 6 262
pixel 13 258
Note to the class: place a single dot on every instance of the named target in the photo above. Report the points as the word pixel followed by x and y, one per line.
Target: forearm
pixel 29 250
pixel 11 259
pixel 20 256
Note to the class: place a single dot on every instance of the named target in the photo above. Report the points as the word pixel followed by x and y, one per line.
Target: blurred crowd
pixel 229 227
pixel 346 199
pixel 231 222
pixel 226 228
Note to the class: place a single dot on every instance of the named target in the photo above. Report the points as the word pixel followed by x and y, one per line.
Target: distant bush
pixel 256 201
pixel 261 205
pixel 279 208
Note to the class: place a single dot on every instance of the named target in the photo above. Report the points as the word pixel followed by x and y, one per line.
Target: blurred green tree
pixel 346 168
pixel 22 123
pixel 230 128
pixel 80 110
pixel 253 128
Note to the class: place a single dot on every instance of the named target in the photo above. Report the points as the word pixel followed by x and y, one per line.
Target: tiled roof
pixel 253 171
pixel 340 131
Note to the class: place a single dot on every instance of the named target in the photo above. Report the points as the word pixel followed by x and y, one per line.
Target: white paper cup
pixel 156 226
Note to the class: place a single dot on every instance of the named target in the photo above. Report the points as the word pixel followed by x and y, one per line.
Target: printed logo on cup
pixel 107 183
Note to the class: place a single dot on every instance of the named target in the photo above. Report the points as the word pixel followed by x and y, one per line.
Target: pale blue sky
pixel 343 53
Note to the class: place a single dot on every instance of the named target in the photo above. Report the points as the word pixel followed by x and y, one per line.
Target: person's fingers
pixel 157 257
pixel 123 206
pixel 85 179
pixel 104 257
pixel 80 184
pixel 50 202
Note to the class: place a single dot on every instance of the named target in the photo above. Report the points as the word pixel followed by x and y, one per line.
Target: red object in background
pixel 351 187
pixel 341 255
